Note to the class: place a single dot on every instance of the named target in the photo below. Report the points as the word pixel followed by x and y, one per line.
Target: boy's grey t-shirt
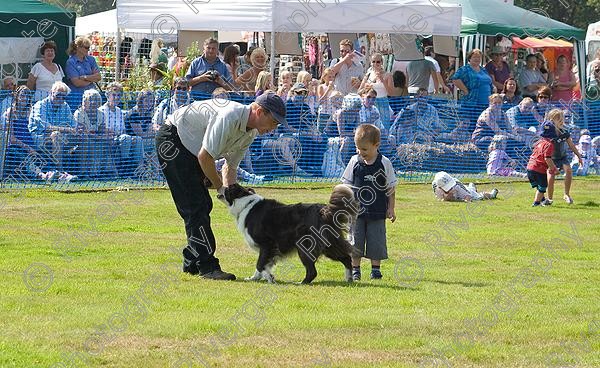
pixel 218 126
pixel 419 72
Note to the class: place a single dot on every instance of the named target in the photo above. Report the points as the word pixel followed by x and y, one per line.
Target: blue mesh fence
pixel 70 142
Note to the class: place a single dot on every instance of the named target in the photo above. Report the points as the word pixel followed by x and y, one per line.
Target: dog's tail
pixel 342 208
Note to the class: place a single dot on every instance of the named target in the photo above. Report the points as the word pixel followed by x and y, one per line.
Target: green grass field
pixel 93 279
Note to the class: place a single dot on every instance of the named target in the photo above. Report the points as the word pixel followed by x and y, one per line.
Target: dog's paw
pixel 348 275
pixel 256 277
pixel 269 277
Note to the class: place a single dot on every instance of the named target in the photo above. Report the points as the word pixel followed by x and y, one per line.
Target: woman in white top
pixel 324 91
pixel 45 73
pixel 382 83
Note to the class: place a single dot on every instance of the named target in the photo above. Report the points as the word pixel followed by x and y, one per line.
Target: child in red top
pixel 540 161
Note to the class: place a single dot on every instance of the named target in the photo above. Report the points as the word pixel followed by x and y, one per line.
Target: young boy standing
pixel 373 180
pixel 541 162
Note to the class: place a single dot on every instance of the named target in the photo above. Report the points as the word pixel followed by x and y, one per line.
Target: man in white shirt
pixel 430 55
pixel 347 69
pixel 188 144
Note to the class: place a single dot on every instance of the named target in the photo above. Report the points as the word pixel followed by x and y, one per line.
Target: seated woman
pixel 510 92
pixel 94 156
pixel 492 121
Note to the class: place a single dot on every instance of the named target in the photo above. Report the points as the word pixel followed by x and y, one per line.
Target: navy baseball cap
pixel 274 104
pixel 548 130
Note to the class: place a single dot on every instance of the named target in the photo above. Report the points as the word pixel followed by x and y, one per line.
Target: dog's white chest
pixel 241 209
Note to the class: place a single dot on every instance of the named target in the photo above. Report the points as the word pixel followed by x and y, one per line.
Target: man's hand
pixel 348 58
pixel 391 214
pixel 221 194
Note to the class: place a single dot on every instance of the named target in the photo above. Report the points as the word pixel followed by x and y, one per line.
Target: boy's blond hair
pixel 367 133
pixel 494 96
pixel 555 114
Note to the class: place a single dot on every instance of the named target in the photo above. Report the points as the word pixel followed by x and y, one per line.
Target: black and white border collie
pixel 275 230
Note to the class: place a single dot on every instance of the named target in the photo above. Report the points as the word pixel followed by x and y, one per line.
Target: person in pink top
pixel 564 80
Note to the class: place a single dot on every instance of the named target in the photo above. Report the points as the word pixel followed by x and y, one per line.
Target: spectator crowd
pixel 60 125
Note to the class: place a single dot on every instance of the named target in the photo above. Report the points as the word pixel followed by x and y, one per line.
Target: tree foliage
pixel 578 13
pixel 84 7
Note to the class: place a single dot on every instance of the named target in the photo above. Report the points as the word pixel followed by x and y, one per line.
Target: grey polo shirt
pixel 529 77
pixel 419 73
pixel 218 126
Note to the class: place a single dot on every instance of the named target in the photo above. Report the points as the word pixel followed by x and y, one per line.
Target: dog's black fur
pixel 275 229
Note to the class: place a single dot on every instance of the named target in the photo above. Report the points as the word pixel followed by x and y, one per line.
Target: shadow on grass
pixel 329 283
pixel 576 205
pixel 465 284
pixel 357 284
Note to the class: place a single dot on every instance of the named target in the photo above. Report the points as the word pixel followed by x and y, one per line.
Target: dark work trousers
pixel 186 182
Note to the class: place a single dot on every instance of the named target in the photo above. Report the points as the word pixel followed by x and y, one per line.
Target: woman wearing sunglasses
pixel 382 83
pixel 82 69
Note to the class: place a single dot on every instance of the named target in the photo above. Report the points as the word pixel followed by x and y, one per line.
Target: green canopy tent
pixel 24 23
pixel 492 17
pixel 482 18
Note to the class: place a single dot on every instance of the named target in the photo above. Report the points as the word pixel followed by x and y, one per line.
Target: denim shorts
pixel 538 180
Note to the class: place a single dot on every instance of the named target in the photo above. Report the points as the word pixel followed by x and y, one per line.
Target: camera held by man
pixel 212 75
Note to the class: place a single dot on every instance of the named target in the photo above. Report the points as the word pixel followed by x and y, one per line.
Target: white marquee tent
pixel 281 16
pixel 333 16
pixel 102 22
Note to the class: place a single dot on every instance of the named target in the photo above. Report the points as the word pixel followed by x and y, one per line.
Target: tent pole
pixel 272 62
pixel 118 56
